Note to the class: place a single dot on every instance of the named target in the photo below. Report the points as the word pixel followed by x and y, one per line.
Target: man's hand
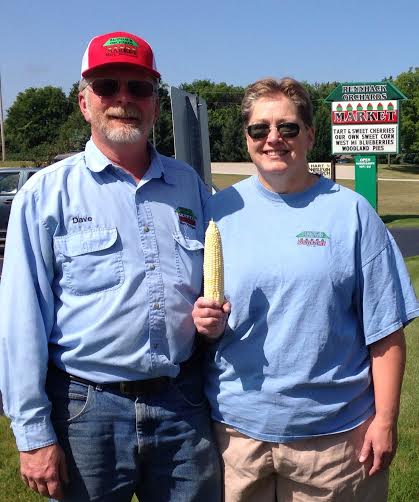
pixel 210 317
pixel 380 444
pixel 44 470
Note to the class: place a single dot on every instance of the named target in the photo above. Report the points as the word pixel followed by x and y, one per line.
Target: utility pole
pixel 3 146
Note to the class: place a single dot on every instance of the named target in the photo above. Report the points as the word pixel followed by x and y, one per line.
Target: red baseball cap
pixel 118 47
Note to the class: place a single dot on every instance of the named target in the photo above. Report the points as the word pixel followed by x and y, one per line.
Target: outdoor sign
pixel 365 118
pixel 324 168
pixel 365 121
pixel 365 127
pixel 366 177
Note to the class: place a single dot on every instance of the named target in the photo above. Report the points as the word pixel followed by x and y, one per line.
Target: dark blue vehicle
pixel 11 180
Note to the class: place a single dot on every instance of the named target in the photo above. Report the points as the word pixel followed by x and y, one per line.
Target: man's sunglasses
pixel 286 130
pixel 109 87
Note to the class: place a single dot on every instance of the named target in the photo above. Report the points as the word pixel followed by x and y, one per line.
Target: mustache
pixel 127 112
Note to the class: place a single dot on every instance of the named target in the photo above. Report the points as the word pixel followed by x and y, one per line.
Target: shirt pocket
pixel 91 260
pixel 189 256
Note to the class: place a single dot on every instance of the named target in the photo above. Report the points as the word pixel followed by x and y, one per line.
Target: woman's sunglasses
pixel 109 87
pixel 286 130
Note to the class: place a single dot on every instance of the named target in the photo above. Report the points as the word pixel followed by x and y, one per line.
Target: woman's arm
pixel 388 357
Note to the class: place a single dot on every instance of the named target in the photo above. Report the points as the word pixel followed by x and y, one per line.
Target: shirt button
pixel 156 306
pixel 146 229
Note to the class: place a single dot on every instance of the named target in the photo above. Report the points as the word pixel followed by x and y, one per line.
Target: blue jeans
pixel 159 447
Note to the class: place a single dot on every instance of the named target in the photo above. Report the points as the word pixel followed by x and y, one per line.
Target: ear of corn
pixel 213 264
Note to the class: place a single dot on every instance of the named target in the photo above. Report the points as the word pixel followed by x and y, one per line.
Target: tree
pixel 322 150
pixel 408 83
pixel 163 129
pixel 35 118
pixel 224 122
pixel 226 135
pixel 73 134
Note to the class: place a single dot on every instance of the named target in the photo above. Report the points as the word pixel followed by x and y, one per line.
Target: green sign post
pixel 366 177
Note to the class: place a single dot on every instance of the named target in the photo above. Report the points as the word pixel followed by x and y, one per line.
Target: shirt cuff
pixel 33 436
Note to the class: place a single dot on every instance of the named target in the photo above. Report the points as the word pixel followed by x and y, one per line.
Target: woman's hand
pixel 380 445
pixel 210 317
pixel 388 357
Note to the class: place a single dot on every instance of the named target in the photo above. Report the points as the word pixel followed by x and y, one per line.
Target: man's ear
pixel 84 108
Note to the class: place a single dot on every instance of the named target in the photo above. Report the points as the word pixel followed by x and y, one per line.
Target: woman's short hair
pixel 287 86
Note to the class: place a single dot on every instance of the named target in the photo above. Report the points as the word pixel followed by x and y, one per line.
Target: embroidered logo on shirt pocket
pixel 91 260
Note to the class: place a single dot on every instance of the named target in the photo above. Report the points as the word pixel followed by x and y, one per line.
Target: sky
pixel 236 42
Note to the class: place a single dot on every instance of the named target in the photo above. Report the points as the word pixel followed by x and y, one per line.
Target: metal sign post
pixel 190 132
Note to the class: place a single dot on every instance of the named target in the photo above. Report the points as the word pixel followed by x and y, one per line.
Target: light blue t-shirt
pixel 313 278
pixel 100 276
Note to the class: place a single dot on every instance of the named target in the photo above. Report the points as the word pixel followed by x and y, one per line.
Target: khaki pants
pixel 324 468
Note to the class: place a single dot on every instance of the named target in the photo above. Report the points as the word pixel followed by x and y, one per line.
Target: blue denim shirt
pixel 100 276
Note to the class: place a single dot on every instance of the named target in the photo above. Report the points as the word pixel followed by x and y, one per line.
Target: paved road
pixel 407 239
pixel 343 172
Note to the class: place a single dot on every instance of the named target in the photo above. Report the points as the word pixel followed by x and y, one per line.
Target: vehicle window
pixel 9 183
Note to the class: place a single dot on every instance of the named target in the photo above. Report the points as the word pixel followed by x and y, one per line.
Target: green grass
pixel 12 488
pixel 404 479
pixel 402 171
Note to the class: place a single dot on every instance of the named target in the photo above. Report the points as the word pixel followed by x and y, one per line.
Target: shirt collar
pixel 158 168
pixel 96 161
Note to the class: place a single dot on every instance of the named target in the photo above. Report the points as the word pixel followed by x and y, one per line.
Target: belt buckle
pixel 144 386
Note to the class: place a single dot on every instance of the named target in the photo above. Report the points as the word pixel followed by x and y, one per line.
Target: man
pixel 98 369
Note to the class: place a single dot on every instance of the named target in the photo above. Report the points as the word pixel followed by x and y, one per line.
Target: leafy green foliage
pixel 43 122
pixel 163 129
pixel 34 120
pixel 408 83
pixel 227 141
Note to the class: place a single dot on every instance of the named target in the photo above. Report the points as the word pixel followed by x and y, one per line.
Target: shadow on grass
pixel 406 218
pixel 403 168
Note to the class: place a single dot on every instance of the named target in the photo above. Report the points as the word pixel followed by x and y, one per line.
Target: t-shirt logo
pixel 313 239
pixel 186 216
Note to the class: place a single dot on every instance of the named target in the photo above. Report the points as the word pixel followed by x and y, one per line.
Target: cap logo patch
pixel 120 40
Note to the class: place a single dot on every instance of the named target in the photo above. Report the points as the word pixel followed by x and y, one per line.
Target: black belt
pixel 133 388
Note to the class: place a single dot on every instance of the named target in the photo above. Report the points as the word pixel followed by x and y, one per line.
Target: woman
pixel 304 379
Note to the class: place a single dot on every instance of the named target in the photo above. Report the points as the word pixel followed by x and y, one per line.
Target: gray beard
pixel 123 135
